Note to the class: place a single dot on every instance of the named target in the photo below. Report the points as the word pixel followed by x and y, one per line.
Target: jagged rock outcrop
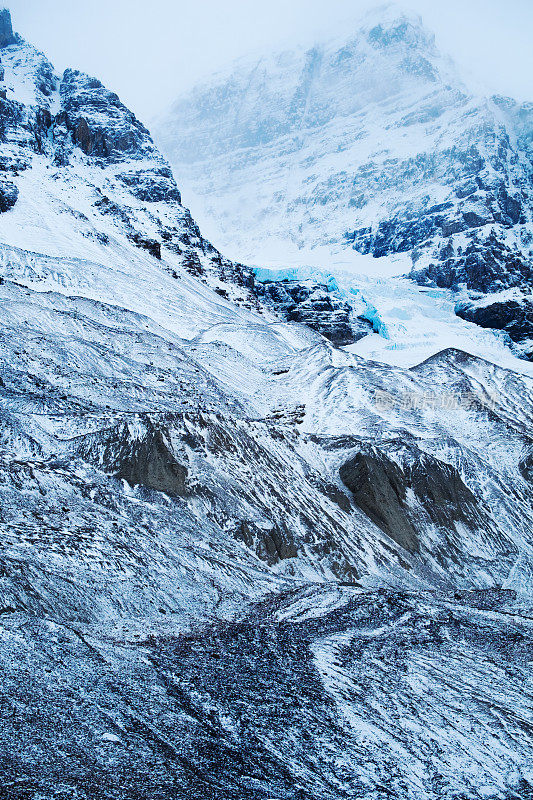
pixel 513 316
pixel 487 266
pixel 315 305
pixel 6 29
pixel 399 493
pixel 8 195
pixel 154 186
pixel 101 125
pixel 483 265
pixel 272 544
pixel 139 452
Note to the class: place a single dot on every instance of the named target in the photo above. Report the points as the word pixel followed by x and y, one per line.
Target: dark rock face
pixel 515 317
pixel 8 195
pixel 526 465
pixel 272 545
pixel 9 163
pixel 151 245
pixel 100 124
pixel 397 235
pixel 140 454
pixel 380 488
pixel 486 265
pixel 151 463
pixel 314 305
pixel 153 186
pixel 45 79
pixel 10 116
pixel 418 227
pixel 6 29
pixel 24 127
pixel 476 197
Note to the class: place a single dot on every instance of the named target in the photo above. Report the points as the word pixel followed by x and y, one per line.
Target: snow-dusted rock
pixel 197 596
pixel 8 195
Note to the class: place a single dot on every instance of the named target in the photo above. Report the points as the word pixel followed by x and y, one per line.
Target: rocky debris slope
pixel 370 141
pixel 196 591
pixel 318 693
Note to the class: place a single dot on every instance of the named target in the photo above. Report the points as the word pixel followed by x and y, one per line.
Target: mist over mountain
pixel 239 558
pixel 370 142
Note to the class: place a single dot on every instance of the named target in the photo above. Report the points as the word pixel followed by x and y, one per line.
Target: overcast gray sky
pixel 149 51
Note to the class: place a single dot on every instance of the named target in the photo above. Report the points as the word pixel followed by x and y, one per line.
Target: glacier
pixel 238 560
pixel 370 143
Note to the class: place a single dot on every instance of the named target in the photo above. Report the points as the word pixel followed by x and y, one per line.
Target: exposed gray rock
pixel 6 29
pixel 101 125
pixel 379 489
pixel 315 305
pixel 513 316
pixel 526 465
pixel 486 265
pixel 153 186
pixel 151 245
pixel 151 463
pixel 11 116
pixel 381 486
pixel 140 452
pixel 272 544
pixel 8 195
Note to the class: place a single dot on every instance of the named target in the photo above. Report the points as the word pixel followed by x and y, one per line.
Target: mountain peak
pixel 6 28
pixel 388 13
pixel 391 24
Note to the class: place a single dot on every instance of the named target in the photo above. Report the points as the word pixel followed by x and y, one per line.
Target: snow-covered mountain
pixel 370 141
pixel 237 560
